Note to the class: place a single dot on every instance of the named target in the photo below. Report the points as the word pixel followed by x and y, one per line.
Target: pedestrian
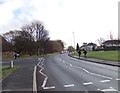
pixel 18 54
pixel 15 56
pixel 85 52
pixel 79 52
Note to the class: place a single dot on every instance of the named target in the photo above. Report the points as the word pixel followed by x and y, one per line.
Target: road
pixel 63 73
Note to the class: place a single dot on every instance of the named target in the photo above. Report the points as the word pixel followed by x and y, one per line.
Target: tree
pixel 36 29
pixel 61 43
pixel 24 42
pixel 100 41
pixel 6 46
pixel 55 46
pixel 77 47
pixel 41 36
pixel 70 48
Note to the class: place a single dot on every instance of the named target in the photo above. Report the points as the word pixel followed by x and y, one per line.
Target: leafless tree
pixel 100 41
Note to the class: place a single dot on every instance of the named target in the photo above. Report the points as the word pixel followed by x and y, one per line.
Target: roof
pixel 112 42
pixel 91 44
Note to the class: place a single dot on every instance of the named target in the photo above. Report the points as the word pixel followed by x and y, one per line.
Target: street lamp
pixel 74 41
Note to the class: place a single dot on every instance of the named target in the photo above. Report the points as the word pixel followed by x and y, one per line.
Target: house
pixel 89 47
pixel 111 44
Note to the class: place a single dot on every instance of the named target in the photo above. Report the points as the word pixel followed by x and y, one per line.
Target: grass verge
pixel 7 71
pixel 105 55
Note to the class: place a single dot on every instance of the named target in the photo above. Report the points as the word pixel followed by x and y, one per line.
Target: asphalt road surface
pixel 62 73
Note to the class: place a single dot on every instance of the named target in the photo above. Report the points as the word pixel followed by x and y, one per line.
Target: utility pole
pixel 74 41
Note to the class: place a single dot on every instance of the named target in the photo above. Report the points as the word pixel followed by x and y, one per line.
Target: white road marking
pixel 98 89
pixel 105 81
pixel 46 78
pixel 49 87
pixel 118 79
pixel 40 60
pixel 111 89
pixel 34 80
pixel 88 83
pixel 70 64
pixel 63 61
pixel 92 73
pixel 70 85
pixel 38 63
pixel 44 82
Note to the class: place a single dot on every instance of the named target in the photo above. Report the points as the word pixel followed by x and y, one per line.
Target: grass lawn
pixel 106 55
pixel 5 71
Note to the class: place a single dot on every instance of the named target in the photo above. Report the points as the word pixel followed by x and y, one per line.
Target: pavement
pixel 21 79
pixel 100 61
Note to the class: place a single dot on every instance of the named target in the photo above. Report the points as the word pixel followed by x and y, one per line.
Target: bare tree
pixel 100 41
pixel 36 29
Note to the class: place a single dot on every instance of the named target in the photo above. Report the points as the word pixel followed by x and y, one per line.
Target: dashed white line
pixel 111 89
pixel 70 64
pixel 93 73
pixel 98 89
pixel 88 83
pixel 49 87
pixel 70 85
pixel 63 61
pixel 105 81
pixel 118 79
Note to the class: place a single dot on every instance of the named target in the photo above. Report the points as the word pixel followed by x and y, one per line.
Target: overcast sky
pixel 88 19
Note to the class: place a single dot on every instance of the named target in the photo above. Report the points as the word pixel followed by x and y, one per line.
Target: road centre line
pixel 117 78
pixel 111 89
pixel 105 81
pixel 63 61
pixel 98 89
pixel 92 73
pixel 70 85
pixel 88 83
pixel 70 64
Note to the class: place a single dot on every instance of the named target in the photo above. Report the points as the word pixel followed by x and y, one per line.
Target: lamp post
pixel 74 41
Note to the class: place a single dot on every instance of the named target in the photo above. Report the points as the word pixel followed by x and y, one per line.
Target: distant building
pixel 89 47
pixel 111 44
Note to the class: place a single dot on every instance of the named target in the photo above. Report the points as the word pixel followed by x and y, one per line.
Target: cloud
pixel 87 18
pixel 14 14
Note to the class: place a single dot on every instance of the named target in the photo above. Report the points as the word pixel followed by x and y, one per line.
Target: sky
pixel 87 19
